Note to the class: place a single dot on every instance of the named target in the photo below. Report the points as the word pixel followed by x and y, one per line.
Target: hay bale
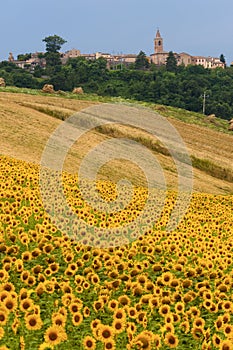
pixel 61 92
pixel 49 89
pixel 161 108
pixel 231 126
pixel 2 82
pixel 211 119
pixel 78 91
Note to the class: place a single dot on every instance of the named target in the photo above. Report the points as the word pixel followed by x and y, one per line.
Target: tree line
pixel 173 85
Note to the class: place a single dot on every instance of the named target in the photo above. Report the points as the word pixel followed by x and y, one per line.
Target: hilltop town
pixel 158 57
pixel 196 83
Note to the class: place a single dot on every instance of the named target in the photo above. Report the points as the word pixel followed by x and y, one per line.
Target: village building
pixel 159 57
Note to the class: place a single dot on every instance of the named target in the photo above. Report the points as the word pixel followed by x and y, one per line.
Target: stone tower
pixel 158 43
pixel 11 57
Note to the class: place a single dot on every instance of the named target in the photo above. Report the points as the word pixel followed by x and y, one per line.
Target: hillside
pixel 28 120
pixel 151 273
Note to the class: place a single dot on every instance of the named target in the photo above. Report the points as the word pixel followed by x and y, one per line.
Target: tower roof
pixel 158 34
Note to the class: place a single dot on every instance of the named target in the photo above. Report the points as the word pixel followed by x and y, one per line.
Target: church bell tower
pixel 158 43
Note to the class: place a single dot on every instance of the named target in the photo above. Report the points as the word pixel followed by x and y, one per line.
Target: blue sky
pixel 200 27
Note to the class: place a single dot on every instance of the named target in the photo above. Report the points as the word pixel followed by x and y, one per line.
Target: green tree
pixel 171 62
pixel 53 43
pixel 141 61
pixel 38 72
pixel 52 55
pixel 24 57
pixel 222 59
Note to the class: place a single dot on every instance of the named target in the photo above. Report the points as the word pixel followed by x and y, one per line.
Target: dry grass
pixel 27 122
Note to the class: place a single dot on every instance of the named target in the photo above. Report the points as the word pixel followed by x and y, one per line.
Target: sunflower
pixel 137 290
pixel 4 275
pixel 156 341
pixel 219 323
pixel 105 332
pixel 40 289
pixel 86 311
pixel 164 310
pixel 37 269
pixel 216 340
pixel 26 256
pixel 185 327
pixel 154 302
pixel 4 347
pixel 10 303
pixel 45 346
pixel 8 287
pixel 67 299
pixel 55 335
pixel 33 322
pixel 179 307
pixel 95 328
pixel 3 316
pixel 141 317
pixel 62 310
pixel 31 281
pixel 168 327
pixel 58 319
pixel 118 326
pixel 226 345
pixel 193 311
pixel 89 343
pixel 54 267
pixel 119 314
pixel 166 278
pixel 169 318
pixel 15 325
pixel 149 286
pixel 206 345
pixel 110 345
pixel 26 305
pixel 66 288
pixel 98 305
pixel 228 330
pixel 49 286
pixel 131 327
pixel 171 340
pixel 197 333
pixel 113 304
pixel 227 306
pixel 77 319
pixel 226 318
pixel 1 332
pixel 124 300
pixel 132 312
pixel 24 276
pixel 78 280
pixel 143 340
pixel 199 322
pixel 22 342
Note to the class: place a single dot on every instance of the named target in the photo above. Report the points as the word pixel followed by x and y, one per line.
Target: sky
pixel 200 27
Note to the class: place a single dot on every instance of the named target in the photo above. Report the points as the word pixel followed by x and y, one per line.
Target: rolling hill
pixel 28 119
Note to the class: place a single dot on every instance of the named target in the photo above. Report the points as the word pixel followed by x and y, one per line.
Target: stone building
pixel 159 56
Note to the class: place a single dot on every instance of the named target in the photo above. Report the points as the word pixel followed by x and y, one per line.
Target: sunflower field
pixel 164 290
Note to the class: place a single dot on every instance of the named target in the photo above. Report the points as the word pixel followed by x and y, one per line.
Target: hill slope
pixel 27 121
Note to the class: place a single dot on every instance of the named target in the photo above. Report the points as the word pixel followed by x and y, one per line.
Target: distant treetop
pixel 54 43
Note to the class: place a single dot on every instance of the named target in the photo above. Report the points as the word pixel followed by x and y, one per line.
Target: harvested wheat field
pixel 27 122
